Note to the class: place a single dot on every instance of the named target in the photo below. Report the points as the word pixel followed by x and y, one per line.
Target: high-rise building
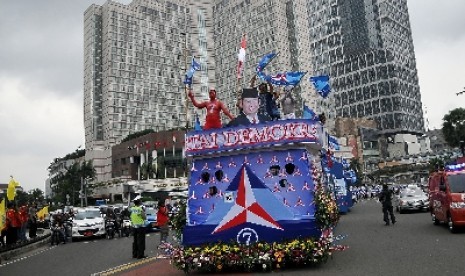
pixel 367 49
pixel 136 55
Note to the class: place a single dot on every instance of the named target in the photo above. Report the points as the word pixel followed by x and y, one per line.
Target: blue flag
pixel 197 126
pixel 286 78
pixel 195 66
pixel 308 113
pixel 264 62
pixel 333 143
pixel 321 84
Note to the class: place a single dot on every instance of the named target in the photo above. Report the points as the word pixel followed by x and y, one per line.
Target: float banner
pixel 255 196
pixel 252 136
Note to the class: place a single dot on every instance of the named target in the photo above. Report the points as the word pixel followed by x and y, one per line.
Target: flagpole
pixel 185 85
pixel 240 73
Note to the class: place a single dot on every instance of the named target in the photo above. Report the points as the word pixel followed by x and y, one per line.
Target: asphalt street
pixel 413 246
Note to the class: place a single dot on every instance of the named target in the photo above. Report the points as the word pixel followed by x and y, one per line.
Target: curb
pixel 31 245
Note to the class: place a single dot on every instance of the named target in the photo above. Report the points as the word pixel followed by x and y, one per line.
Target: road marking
pixel 123 267
pixel 28 256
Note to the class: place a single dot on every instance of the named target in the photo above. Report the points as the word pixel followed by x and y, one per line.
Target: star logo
pixel 246 208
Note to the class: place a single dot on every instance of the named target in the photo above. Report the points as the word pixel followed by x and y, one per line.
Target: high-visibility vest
pixel 136 216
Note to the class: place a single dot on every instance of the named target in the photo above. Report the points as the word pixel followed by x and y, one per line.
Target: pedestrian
pixel 12 224
pixel 385 198
pixel 163 223
pixel 137 221
pixel 33 221
pixel 23 218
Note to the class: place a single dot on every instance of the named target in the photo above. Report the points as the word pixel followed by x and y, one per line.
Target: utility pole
pixel 81 192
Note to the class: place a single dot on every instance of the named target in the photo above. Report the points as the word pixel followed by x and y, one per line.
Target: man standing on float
pixel 214 107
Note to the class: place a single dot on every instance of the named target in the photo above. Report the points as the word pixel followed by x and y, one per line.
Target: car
pixel 411 200
pixel 88 222
pixel 151 219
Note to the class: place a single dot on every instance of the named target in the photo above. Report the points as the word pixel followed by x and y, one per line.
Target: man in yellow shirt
pixel 137 221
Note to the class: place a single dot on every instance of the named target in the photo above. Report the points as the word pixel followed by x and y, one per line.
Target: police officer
pixel 385 198
pixel 137 221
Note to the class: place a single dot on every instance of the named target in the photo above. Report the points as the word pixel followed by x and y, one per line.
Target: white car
pixel 88 222
pixel 411 200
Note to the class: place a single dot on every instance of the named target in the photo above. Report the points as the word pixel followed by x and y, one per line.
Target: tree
pixel 435 164
pixel 453 128
pixel 36 195
pixel 69 183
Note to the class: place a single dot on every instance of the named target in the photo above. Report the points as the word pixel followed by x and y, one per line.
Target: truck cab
pixel 447 196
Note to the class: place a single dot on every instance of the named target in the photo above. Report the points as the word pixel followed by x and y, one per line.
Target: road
pixel 414 246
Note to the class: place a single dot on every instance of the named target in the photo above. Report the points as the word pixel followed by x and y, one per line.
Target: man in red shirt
pixel 214 107
pixel 23 217
pixel 13 224
pixel 163 222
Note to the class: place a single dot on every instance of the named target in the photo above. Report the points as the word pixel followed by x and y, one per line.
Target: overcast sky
pixel 41 77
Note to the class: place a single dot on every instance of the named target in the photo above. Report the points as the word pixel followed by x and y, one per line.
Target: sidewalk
pixel 31 244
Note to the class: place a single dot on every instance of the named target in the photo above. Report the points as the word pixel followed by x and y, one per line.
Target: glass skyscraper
pixel 366 47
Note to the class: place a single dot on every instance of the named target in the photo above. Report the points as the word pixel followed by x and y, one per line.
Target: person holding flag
pixel 214 107
pixel 287 103
pixel 266 99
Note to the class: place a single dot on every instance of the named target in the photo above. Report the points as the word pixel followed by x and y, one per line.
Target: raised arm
pixel 197 104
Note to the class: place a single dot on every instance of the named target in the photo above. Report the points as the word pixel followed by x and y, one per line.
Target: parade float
pixel 255 199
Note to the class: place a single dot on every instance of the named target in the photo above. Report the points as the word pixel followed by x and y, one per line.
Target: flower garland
pixel 327 212
pixel 262 256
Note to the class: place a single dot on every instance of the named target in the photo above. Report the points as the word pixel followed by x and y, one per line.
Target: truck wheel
pixel 450 224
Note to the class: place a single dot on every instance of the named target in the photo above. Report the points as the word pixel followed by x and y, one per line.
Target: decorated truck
pixel 255 200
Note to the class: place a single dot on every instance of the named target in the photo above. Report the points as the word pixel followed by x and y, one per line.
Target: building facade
pixel 367 49
pixel 136 55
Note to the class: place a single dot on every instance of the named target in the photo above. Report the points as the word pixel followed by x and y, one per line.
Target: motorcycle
pixel 110 228
pixel 61 231
pixel 126 228
pixel 57 235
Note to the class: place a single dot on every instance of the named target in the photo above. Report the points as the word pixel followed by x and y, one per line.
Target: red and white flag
pixel 241 58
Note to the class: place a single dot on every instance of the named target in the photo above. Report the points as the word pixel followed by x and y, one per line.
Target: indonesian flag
pixel 241 58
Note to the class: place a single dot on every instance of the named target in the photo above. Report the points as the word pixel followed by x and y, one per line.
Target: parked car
pixel 88 222
pixel 411 200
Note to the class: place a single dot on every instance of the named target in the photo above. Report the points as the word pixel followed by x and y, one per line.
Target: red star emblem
pixel 246 208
